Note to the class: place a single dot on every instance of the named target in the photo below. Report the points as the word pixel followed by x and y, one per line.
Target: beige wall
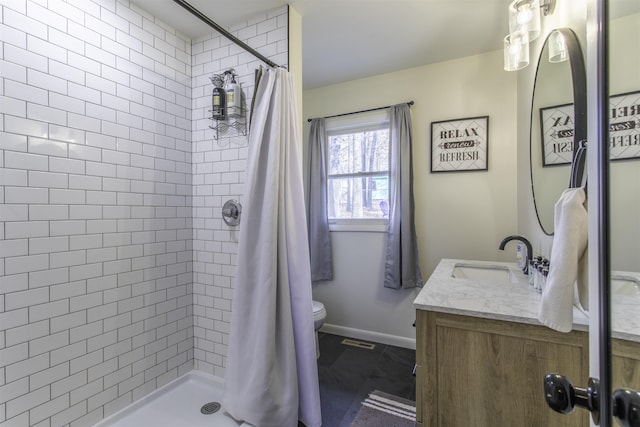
pixel 567 14
pixel 625 175
pixel 624 77
pixel 459 215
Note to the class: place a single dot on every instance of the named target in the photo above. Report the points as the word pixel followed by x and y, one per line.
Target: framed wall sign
pixel 624 126
pixel 460 145
pixel 556 128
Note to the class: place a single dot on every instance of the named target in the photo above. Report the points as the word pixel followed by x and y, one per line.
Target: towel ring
pixel 578 164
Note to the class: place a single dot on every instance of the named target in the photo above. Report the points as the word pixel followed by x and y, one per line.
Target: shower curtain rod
pixel 410 103
pixel 226 33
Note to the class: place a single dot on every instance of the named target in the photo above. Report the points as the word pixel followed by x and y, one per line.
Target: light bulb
pixel 524 17
pixel 516 51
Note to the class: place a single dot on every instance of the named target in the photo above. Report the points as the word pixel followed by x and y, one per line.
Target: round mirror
pixel 558 124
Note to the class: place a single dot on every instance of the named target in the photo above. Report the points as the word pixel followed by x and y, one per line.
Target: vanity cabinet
pixel 480 372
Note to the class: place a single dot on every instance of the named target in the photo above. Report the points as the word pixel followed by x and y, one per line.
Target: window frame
pixel 354 123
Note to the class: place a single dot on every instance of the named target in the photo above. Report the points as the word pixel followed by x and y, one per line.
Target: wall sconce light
pixel 524 17
pixel 516 51
pixel 524 27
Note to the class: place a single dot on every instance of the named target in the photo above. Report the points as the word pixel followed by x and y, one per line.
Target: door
pixel 613 83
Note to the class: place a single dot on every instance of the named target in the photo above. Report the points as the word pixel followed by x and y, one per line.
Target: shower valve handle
pixel 231 212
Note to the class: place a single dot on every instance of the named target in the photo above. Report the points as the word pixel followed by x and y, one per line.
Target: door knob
pixel 557 391
pixel 563 397
pixel 626 407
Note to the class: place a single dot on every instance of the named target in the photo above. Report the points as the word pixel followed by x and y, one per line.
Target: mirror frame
pixel 579 80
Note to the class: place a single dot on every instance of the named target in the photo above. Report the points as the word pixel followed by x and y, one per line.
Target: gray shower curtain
pixel 271 377
pixel 401 269
pixel 319 235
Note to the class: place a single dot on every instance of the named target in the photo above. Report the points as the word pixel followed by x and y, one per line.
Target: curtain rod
pixel 226 33
pixel 410 103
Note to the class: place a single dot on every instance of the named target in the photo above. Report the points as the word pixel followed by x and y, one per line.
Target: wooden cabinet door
pixel 490 373
pixel 625 364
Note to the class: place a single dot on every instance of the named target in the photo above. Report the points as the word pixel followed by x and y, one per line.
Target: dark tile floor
pixel 348 374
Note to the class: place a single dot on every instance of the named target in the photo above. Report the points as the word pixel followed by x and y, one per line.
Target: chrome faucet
pixel 527 243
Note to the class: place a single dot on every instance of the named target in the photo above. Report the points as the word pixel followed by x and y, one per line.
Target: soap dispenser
pixel 533 267
pixel 521 256
pixel 533 272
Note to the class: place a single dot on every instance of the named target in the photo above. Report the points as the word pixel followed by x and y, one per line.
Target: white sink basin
pixel 492 273
pixel 625 285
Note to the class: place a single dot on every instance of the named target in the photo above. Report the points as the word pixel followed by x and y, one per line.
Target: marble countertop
pixel 625 312
pixel 514 302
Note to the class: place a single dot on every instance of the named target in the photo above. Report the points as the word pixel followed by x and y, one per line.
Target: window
pixel 358 169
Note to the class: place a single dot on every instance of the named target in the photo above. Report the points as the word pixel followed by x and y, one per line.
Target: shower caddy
pixel 238 122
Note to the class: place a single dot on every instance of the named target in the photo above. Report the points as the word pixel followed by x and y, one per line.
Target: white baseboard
pixel 369 336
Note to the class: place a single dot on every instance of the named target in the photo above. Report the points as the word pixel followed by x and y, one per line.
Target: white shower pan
pixel 176 404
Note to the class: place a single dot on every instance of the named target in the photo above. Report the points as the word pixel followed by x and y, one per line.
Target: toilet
pixel 319 314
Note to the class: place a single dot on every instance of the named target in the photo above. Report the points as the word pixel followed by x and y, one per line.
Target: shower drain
pixel 210 408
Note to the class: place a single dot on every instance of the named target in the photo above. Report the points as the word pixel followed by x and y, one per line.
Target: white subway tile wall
pixel 218 174
pixel 96 303
pixel 116 269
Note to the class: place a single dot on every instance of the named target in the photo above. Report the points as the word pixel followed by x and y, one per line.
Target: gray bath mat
pixel 385 410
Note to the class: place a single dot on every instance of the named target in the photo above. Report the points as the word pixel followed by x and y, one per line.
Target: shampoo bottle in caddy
pixel 234 98
pixel 218 101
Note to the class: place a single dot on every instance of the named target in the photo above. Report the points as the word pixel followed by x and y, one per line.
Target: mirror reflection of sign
pixel 624 130
pixel 624 126
pixel 459 144
pixel 557 134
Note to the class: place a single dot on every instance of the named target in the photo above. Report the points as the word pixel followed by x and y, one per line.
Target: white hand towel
pixel 568 250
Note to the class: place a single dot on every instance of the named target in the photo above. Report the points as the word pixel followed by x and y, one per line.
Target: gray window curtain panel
pixel 319 236
pixel 401 269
